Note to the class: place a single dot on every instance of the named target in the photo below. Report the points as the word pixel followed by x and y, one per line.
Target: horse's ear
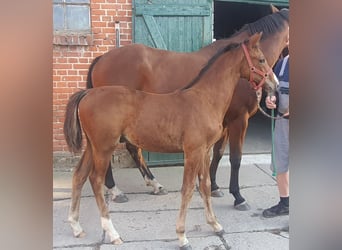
pixel 254 39
pixel 274 9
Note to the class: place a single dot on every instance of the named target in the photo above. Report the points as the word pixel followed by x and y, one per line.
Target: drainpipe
pixel 117 33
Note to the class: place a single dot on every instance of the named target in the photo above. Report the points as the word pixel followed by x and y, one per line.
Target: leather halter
pixel 253 69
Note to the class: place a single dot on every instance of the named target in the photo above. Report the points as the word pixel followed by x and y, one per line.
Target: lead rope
pixel 273 118
pixel 272 153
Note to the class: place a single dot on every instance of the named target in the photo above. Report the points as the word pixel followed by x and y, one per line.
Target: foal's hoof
pixel 217 193
pixel 220 233
pixel 121 198
pixel 242 206
pixel 117 241
pixel 80 235
pixel 186 247
pixel 161 191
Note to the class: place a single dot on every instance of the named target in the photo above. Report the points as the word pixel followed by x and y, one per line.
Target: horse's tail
pixel 90 71
pixel 72 128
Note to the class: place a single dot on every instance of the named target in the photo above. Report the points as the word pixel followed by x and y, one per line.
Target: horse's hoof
pixel 220 233
pixel 242 206
pixel 117 241
pixel 186 247
pixel 121 198
pixel 161 191
pixel 80 235
pixel 217 193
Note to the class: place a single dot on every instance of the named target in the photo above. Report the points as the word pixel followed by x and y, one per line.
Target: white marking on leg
pixel 115 192
pixel 182 239
pixel 75 225
pixel 114 236
pixel 217 227
pixel 154 184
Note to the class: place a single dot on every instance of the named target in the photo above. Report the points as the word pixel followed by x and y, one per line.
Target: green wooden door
pixel 175 25
pixel 284 3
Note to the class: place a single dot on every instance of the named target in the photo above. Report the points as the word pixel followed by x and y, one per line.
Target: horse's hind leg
pixel 204 187
pixel 117 195
pixel 218 151
pixel 150 180
pixel 237 136
pixel 80 176
pixel 96 179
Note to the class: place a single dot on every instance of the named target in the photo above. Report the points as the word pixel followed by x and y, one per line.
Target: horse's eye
pixel 262 61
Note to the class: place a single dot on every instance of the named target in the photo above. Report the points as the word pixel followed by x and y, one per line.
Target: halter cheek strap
pixel 255 71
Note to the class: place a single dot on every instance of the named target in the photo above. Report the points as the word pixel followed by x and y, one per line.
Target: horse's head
pixel 256 68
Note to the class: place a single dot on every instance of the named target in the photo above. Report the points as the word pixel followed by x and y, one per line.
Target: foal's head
pixel 255 67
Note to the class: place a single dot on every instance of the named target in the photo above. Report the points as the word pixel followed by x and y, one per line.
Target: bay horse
pixel 192 124
pixel 144 68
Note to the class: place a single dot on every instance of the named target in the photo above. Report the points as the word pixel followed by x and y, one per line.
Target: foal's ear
pixel 274 9
pixel 254 39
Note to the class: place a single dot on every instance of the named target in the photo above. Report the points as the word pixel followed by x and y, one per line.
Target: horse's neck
pixel 212 48
pixel 272 47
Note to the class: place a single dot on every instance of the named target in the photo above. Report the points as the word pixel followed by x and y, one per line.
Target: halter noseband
pixel 254 70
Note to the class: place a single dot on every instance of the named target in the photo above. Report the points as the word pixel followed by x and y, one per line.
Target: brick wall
pixel 73 53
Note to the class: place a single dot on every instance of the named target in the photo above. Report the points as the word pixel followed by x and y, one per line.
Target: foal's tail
pixel 90 71
pixel 72 128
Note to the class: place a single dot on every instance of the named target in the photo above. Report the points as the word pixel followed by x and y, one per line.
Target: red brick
pixel 71 63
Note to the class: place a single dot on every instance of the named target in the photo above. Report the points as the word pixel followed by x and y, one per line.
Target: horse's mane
pixel 220 52
pixel 269 24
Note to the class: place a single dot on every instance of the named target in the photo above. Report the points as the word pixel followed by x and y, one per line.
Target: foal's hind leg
pixel 97 181
pixel 150 180
pixel 218 151
pixel 80 176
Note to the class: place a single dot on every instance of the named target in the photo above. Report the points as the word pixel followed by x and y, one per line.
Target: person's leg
pixel 282 208
pixel 283 184
pixel 281 157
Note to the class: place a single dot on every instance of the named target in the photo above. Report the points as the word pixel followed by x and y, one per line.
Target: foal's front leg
pixel 195 163
pixel 189 181
pixel 204 187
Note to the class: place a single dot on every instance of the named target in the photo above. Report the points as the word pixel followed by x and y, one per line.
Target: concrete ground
pixel 148 222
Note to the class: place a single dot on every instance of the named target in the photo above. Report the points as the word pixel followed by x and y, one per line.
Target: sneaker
pixel 276 210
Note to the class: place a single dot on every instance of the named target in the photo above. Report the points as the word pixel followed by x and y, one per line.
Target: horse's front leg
pixel 237 136
pixel 117 195
pixel 96 179
pixel 150 180
pixel 204 187
pixel 218 151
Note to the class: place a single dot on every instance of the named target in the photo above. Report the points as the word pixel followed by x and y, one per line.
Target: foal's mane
pixel 220 52
pixel 269 24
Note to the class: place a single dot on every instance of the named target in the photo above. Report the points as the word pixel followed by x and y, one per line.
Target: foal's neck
pixel 218 83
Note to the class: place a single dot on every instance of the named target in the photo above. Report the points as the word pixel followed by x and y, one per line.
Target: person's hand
pixel 271 102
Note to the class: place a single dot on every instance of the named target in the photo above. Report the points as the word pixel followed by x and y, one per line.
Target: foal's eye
pixel 262 61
